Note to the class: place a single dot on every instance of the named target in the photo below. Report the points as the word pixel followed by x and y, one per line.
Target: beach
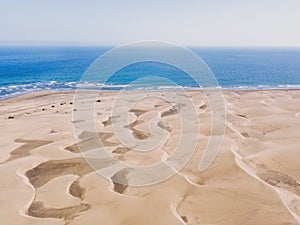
pixel 254 179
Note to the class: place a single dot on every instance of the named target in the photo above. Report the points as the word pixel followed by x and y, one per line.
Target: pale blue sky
pixel 112 22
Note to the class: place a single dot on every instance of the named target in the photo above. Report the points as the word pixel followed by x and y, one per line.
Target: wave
pixel 10 91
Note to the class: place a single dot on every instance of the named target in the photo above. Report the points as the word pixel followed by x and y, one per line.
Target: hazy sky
pixel 112 22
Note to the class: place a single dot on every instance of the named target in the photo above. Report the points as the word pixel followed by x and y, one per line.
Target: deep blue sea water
pixel 27 69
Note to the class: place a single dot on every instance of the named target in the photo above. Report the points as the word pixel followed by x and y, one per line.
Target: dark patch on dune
pixel 133 124
pixel 203 107
pixel 73 148
pixel 104 136
pixel 169 112
pixel 185 219
pixel 76 190
pixel 91 141
pixel 77 121
pixel 138 112
pixel 121 150
pixel 240 115
pixel 174 110
pixel 163 126
pixel 281 180
pixel 140 134
pixel 37 209
pixel 25 149
pixel 43 173
pixel 245 134
pixel 137 133
pixel 109 121
pixel 119 180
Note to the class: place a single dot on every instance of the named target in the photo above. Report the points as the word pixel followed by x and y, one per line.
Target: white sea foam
pixel 14 90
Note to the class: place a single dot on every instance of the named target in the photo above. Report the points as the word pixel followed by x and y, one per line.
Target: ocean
pixel 29 69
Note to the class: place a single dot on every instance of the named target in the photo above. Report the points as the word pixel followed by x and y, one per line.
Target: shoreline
pixel 49 92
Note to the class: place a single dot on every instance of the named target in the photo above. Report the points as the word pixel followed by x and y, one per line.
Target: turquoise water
pixel 27 69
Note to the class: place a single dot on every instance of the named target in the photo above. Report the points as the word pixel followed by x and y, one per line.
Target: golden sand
pixel 255 179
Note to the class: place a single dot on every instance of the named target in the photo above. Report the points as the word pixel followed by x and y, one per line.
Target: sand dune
pixel 255 178
pixel 37 209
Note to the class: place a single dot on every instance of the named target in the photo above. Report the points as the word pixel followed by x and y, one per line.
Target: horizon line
pixel 79 44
